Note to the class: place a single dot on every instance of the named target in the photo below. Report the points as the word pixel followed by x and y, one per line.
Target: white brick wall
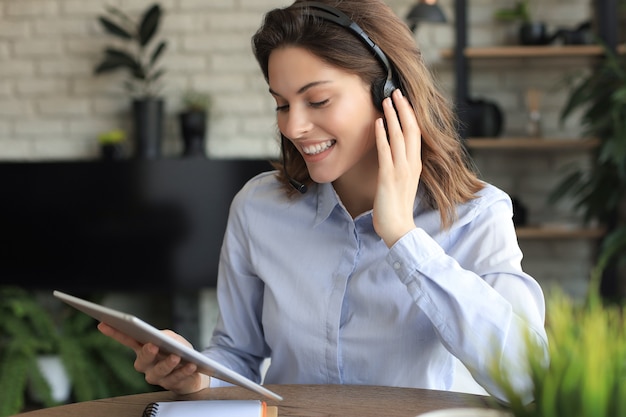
pixel 48 49
pixel 52 107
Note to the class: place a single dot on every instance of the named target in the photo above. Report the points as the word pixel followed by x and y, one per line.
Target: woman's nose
pixel 297 124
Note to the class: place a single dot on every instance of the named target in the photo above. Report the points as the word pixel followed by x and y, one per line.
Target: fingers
pixel 119 336
pixel 166 370
pixel 173 374
pixel 403 130
pixel 401 140
pixel 148 357
pixel 399 165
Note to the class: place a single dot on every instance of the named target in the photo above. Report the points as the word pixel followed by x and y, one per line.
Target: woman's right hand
pixel 167 370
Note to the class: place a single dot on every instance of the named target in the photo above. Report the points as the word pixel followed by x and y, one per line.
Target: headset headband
pixel 334 15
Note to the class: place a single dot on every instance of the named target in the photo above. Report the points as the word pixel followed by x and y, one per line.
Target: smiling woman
pixel 325 113
pixel 394 259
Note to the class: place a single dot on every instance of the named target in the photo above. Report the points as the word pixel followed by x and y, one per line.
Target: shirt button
pixel 397 265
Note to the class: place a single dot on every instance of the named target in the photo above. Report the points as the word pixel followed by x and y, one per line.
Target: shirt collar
pixel 327 200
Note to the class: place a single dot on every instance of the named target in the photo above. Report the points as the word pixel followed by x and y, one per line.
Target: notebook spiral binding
pixel 151 410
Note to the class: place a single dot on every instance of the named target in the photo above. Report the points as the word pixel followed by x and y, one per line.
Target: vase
pixel 533 33
pixel 193 130
pixel 55 374
pixel 148 125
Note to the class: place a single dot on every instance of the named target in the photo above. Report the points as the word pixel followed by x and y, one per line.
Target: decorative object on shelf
pixel 112 144
pixel 484 118
pixel 599 189
pixel 580 35
pixel 32 327
pixel 148 121
pixel 139 57
pixel 587 367
pixel 531 32
pixel 533 104
pixel 425 11
pixel 193 122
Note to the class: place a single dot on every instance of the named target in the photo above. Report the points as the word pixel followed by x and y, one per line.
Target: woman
pixel 393 258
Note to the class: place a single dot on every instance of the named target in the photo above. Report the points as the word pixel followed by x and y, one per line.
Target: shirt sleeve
pixel 481 303
pixel 238 341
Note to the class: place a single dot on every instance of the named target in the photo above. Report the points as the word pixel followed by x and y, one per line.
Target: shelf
pixel 531 144
pixel 532 51
pixel 558 232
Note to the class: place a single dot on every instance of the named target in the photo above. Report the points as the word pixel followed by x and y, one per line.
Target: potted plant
pixel 33 326
pixel 139 55
pixel 586 374
pixel 530 32
pixel 599 189
pixel 112 144
pixel 193 122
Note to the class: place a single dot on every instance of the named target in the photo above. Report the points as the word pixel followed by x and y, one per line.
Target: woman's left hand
pixel 399 169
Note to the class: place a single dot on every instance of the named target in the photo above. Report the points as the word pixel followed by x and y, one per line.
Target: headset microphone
pixel 296 184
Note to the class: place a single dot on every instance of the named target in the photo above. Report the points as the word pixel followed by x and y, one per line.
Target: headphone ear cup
pixel 378 94
pixel 381 90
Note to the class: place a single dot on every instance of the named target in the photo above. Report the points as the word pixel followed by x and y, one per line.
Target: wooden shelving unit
pixel 462 53
pixel 532 51
pixel 531 144
pixel 541 145
pixel 557 232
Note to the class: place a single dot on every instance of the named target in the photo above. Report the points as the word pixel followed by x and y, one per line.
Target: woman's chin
pixel 321 178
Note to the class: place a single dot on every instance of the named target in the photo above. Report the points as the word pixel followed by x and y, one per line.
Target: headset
pixel 380 89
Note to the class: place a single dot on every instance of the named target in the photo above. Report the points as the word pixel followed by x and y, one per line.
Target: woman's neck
pixel 357 187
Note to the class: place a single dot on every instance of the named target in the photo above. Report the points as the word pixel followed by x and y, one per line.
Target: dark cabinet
pixel 154 225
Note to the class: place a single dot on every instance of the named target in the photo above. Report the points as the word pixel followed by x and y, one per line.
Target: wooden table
pixel 299 400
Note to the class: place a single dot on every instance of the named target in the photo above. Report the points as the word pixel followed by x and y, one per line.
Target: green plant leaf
pixel 613 244
pixel 134 55
pixel 572 182
pixel 519 12
pixel 114 29
pixel 599 190
pixel 149 24
pixel 116 59
pixel 126 20
pixel 157 52
pixel 158 74
pixel 14 366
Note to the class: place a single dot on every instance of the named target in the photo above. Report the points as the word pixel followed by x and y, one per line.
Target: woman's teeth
pixel 318 148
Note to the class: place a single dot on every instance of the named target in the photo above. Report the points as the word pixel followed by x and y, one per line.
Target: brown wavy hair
pixel 447 178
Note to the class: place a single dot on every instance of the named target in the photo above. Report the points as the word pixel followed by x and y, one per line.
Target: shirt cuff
pixel 412 251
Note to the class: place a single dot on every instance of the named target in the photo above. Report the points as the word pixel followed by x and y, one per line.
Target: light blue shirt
pixel 303 283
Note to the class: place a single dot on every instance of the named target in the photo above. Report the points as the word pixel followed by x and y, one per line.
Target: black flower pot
pixel 148 124
pixel 533 33
pixel 193 129
pixel 112 151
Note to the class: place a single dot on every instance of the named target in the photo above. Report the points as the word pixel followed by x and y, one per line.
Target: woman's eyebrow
pixel 302 89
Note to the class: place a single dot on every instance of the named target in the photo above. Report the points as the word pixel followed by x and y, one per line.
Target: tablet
pixel 146 333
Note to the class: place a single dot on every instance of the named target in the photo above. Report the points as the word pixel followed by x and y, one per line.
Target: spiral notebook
pixel 210 408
